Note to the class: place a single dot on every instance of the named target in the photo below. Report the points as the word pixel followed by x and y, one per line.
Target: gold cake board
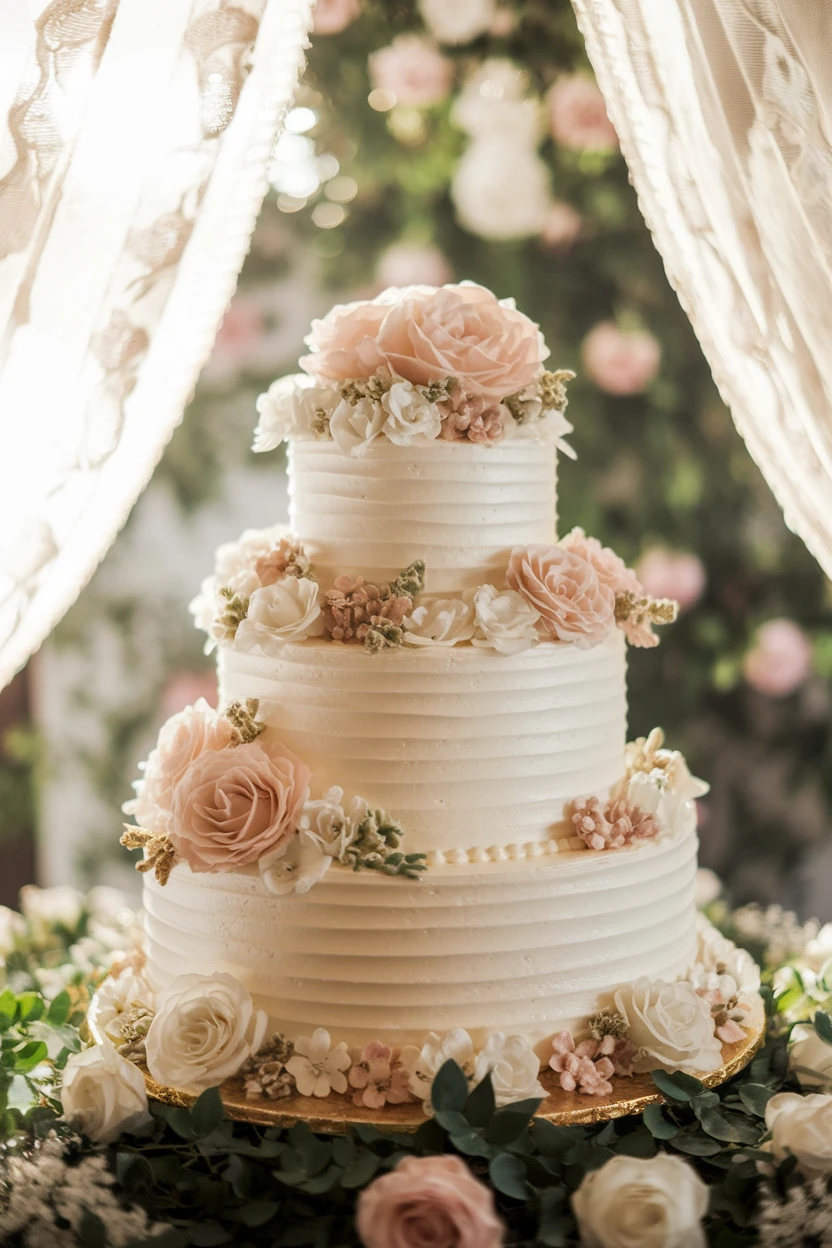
pixel 335 1114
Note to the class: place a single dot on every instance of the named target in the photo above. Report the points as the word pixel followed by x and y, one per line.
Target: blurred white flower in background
pixel 457 21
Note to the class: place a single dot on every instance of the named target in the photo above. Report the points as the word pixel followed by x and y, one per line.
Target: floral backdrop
pixel 436 142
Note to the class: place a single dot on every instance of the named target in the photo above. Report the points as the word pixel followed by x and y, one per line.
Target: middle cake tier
pixel 474 753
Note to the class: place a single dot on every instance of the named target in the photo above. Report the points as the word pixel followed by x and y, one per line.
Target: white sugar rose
pixel 443 622
pixel 12 929
pixel 810 1058
pixel 635 1202
pixel 47 908
pixel 117 994
pixel 204 1028
pixel 668 792
pixel 670 1025
pixel 294 867
pixel 504 620
pixel 292 407
pixel 410 416
pixel 801 1127
pixel 330 823
pixel 459 22
pixel 318 1066
pixel 355 425
pixel 103 1095
pixel 514 1068
pixel 288 610
pixel 716 954
pixel 424 1062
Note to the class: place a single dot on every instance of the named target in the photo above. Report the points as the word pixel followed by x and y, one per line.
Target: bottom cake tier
pixel 527 947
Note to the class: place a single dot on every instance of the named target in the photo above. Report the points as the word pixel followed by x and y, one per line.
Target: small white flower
pixel 670 1025
pixel 668 792
pixel 715 954
pixel 504 620
pixel 288 610
pixel 801 1126
pixel 818 951
pixel 47 908
pixel 318 1066
pixel 12 930
pixel 289 409
pixel 411 416
pixel 330 826
pixel 103 1094
pixel 114 998
pixel 294 867
pixel 514 1068
pixel 424 1062
pixel 459 22
pixel 656 1202
pixel 443 622
pixel 204 1028
pixel 355 425
pixel 810 1058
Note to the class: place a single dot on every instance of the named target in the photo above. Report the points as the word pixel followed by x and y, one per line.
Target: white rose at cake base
pixel 421 722
pixel 656 1203
pixel 103 1094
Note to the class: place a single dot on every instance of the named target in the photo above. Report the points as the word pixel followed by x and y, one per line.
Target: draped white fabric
pixel 724 110
pixel 134 142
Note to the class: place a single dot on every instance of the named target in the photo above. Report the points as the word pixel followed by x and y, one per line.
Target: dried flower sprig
pixel 547 393
pixel 640 612
pixel 232 614
pixel 160 857
pixel 374 848
pixel 264 1074
pixel 607 1023
pixel 409 583
pixel 247 727
pixel 134 1025
pixel 373 388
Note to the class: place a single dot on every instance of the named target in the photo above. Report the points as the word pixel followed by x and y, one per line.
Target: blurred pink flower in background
pixel 240 335
pixel 413 264
pixel 562 226
pixel 503 24
pixel 185 688
pixel 333 16
pixel 780 659
pixel 578 115
pixel 672 574
pixel 413 70
pixel 619 361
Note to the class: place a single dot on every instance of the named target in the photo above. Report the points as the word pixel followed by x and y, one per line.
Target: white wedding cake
pixel 414 822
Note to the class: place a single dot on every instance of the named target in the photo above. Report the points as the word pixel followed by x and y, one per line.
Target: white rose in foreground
pixel 318 1066
pixel 504 620
pixel 12 928
pixel 634 1202
pixel 410 416
pixel 288 610
pixel 443 622
pixel 670 1025
pixel 294 867
pixel 514 1068
pixel 331 825
pixel 424 1063
pixel 355 425
pixel 204 1029
pixel 810 1058
pixel 501 190
pixel 290 408
pixel 47 908
pixel 718 955
pixel 114 998
pixel 801 1127
pixel 103 1094
pixel 457 22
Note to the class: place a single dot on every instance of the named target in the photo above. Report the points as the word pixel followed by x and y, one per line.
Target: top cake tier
pixel 459 507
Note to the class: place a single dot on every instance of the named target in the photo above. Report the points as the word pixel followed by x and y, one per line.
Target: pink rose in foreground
pixel 428 1202
pixel 563 225
pixel 780 660
pixel 578 115
pixel 413 264
pixel 413 70
pixel 424 334
pixel 333 16
pixel 233 806
pixel 620 363
pixel 672 574
pixel 564 588
pixel 609 567
pixel 195 731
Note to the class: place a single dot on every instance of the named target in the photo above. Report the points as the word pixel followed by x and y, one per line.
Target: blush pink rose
pixel 672 574
pixel 333 16
pixel 195 731
pixel 413 70
pixel 578 115
pixel 425 333
pixel 780 660
pixel 610 568
pixel 620 363
pixel 564 588
pixel 233 806
pixel 428 1202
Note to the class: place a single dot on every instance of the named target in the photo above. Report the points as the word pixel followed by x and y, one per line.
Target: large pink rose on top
pixel 232 806
pixel 429 333
pixel 574 605
pixel 429 1202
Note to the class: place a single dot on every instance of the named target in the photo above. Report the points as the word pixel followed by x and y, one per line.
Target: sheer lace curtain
pixel 135 137
pixel 724 110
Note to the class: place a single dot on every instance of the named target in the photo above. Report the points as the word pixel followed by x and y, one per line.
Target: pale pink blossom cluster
pixel 620 362
pixel 727 1013
pixel 588 1067
pixel 413 70
pixel 424 334
pixel 378 1078
pixel 612 826
pixel 429 1201
pixel 578 115
pixel 780 659
pixel 472 418
pixel 353 607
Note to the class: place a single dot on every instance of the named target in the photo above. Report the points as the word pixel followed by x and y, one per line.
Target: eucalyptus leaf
pixel 677 1086
pixel 58 1011
pixel 361 1171
pixel 509 1123
pixel 480 1105
pixel 207 1112
pixel 728 1127
pixel 755 1097
pixel 449 1089
pixel 696 1145
pixel 823 1026
pixel 508 1175
pixel 657 1124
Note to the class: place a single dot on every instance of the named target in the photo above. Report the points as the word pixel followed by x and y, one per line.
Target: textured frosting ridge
pixel 458 506
pixel 517 947
pixel 468 749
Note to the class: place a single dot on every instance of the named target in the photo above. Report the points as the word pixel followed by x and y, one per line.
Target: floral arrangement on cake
pixel 417 364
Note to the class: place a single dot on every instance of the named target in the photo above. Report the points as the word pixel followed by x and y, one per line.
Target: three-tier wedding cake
pixel 413 828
